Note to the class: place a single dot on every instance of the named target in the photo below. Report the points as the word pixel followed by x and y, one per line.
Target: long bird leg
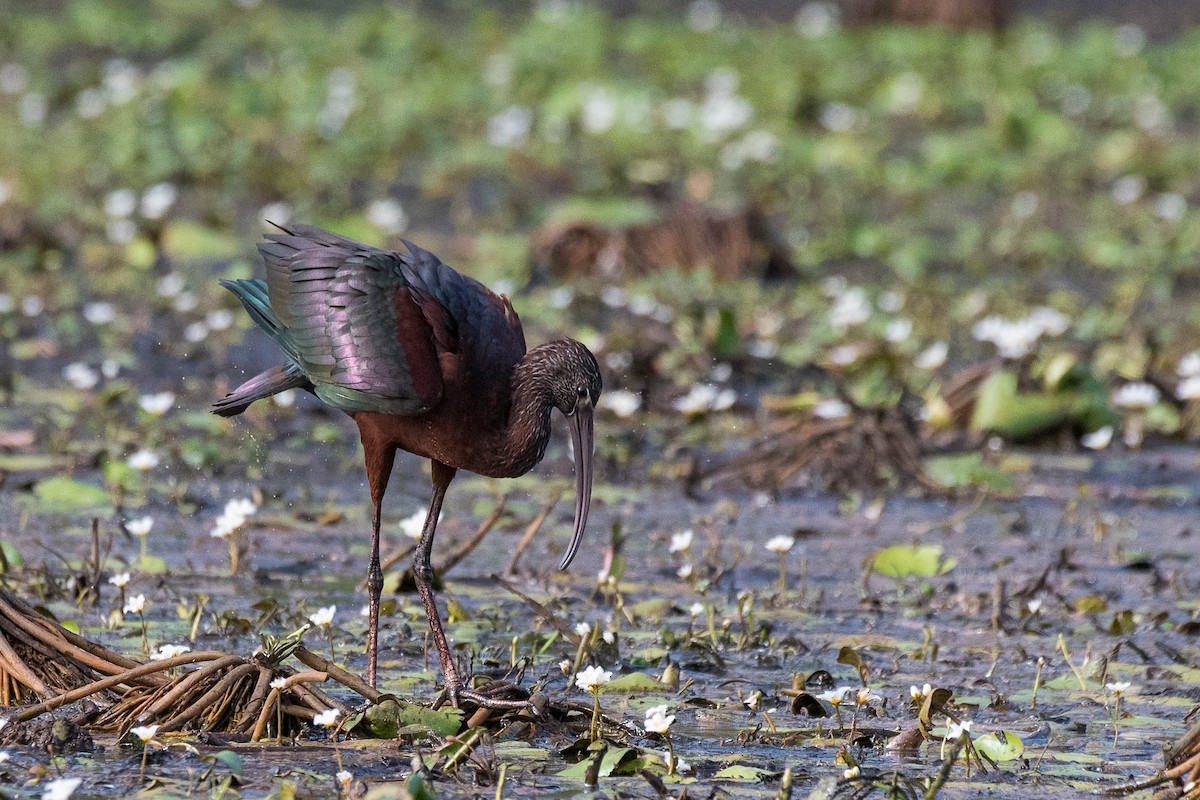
pixel 379 468
pixel 423 578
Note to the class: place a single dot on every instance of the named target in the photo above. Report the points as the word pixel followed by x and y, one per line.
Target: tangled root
pixel 868 451
pixel 689 236
pixel 41 660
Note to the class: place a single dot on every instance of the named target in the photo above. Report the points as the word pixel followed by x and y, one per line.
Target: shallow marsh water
pixel 1087 539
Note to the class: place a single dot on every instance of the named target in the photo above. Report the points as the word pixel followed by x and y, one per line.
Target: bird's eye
pixel 581 392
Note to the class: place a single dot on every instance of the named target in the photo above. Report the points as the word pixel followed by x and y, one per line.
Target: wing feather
pixel 370 327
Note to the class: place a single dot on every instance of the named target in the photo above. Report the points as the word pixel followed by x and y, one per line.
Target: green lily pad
pixel 1000 746
pixel 389 716
pixel 32 462
pixel 908 561
pixel 613 761
pixel 633 683
pixel 70 497
pixel 742 774
pixel 967 469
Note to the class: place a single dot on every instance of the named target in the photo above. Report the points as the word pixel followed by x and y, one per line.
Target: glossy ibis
pixel 425 360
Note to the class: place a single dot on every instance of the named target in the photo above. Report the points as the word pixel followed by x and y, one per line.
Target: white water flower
pixel 13 78
pixel 344 776
pixel 583 629
pixel 844 355
pixel 592 678
pixel 144 732
pixel 609 637
pixel 279 683
pixel 1050 321
pixel 169 651
pixel 510 128
pixel 219 319
pixel 696 609
pixel 817 19
pixel 323 617
pixel 388 215
pixel 99 312
pixel 933 356
pixel 120 203
pixel 1129 39
pixel 413 525
pixel 704 397
pixel 1128 189
pixel 80 375
pixel 681 541
pixel 657 719
pixel 685 571
pixel 234 516
pixel 1188 388
pixel 1012 338
pixel 1170 206
pixel 135 604
pixel 157 404
pixel 60 788
pixel 898 330
pixel 158 199
pixel 830 409
pixel 140 526
pixel 599 110
pixel 957 729
pixel 1189 365
pixel 326 719
pixel 195 332
pixel 170 285
pixel 622 402
pixel 120 580
pixel 1118 687
pixel 850 308
pixel 279 213
pixel 144 460
pixel 1137 396
pixel 1098 439
pixel 780 544
pixel 185 302
pixel 838 694
pixel 120 231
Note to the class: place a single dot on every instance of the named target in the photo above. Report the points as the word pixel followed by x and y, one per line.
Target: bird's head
pixel 575 385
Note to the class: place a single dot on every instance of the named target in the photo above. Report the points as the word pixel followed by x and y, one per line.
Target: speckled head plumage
pixel 569 375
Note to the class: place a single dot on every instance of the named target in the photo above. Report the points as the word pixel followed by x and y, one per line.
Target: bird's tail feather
pixel 265 384
pixel 253 294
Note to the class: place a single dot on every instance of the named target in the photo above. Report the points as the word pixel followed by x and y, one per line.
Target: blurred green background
pixel 133 132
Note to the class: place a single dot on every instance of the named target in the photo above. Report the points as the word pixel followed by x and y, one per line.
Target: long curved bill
pixel 581 439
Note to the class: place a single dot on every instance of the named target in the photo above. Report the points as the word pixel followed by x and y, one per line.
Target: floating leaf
pixel 1000 746
pixel 66 496
pixel 31 462
pixel 742 774
pixel 9 556
pixel 613 762
pixel 850 657
pixel 967 469
pixel 906 561
pixel 633 683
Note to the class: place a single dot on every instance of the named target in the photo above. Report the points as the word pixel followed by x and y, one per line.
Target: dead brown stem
pixel 207 699
pixel 531 531
pixel 113 681
pixel 351 681
pixel 480 532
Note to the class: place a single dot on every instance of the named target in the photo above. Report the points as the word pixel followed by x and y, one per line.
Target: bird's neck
pixel 528 432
